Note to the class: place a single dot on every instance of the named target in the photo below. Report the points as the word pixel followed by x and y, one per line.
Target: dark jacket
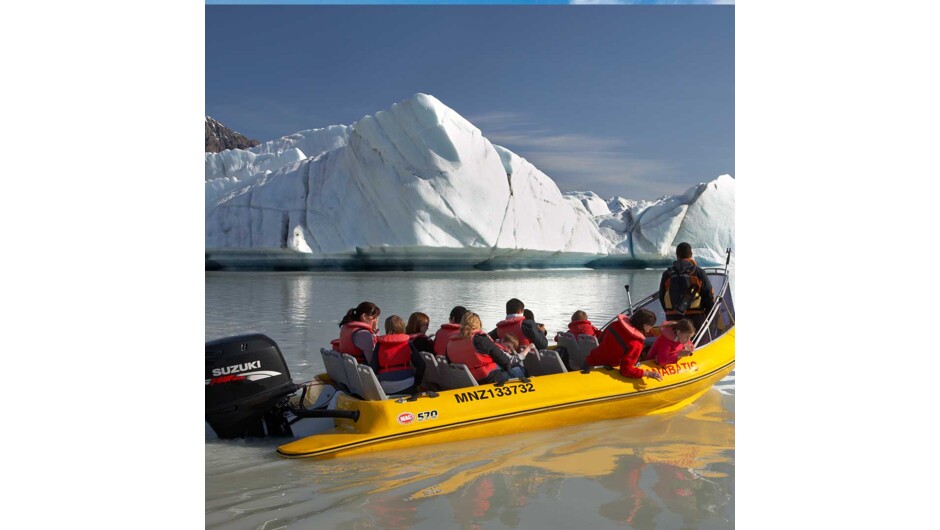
pixel 484 345
pixel 703 301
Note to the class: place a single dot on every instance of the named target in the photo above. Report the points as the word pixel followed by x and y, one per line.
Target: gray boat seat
pixel 544 362
pixel 578 348
pixel 352 374
pixel 333 362
pixel 441 375
pixel 433 376
pixel 568 341
pixel 587 342
pixel 371 388
pixel 456 375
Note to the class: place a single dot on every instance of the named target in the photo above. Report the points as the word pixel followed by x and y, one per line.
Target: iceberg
pixel 418 186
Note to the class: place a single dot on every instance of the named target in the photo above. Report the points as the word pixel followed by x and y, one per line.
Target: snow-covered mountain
pixel 418 185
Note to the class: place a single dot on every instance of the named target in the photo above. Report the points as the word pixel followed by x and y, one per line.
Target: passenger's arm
pixel 531 330
pixel 483 344
pixel 365 341
pixel 628 365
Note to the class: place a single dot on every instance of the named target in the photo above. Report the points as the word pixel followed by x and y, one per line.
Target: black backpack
pixel 682 286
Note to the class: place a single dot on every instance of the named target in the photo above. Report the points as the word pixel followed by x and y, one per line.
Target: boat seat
pixel 352 374
pixel 371 388
pixel 569 342
pixel 333 362
pixel 456 375
pixel 544 362
pixel 433 377
pixel 442 375
pixel 578 348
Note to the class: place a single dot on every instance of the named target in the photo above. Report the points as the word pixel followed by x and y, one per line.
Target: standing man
pixel 684 291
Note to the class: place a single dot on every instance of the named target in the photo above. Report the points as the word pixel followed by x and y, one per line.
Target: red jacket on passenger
pixel 514 326
pixel 346 344
pixel 621 345
pixel 394 353
pixel 442 336
pixel 667 347
pixel 585 327
pixel 461 350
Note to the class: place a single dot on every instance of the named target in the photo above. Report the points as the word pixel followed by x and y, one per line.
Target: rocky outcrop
pixel 219 138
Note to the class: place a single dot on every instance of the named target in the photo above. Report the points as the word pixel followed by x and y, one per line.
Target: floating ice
pixel 417 184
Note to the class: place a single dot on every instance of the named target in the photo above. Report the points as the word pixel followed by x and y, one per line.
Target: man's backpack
pixel 682 287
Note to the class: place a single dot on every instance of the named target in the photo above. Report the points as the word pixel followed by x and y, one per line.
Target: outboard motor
pixel 247 387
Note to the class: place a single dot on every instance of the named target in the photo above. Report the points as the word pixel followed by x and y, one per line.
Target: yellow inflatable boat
pixel 361 418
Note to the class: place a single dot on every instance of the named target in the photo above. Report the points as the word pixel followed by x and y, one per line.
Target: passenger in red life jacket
pixel 448 330
pixel 673 343
pixel 527 330
pixel 357 332
pixel 487 362
pixel 622 344
pixel 393 359
pixel 580 325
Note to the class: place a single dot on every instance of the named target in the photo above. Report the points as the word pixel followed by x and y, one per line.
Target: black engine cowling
pixel 247 386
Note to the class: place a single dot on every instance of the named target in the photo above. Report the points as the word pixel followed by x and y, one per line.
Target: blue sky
pixel 636 101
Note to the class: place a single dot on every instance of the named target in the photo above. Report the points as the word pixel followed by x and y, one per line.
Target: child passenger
pixel 581 325
pixel 392 360
pixel 516 355
pixel 673 343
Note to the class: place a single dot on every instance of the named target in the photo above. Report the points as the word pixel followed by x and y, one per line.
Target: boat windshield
pixel 720 319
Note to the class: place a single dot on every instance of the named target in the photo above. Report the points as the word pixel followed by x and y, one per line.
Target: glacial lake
pixel 671 471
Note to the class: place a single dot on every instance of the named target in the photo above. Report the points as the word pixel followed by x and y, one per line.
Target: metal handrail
pixel 719 299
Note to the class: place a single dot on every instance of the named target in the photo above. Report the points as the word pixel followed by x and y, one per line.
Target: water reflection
pixel 674 471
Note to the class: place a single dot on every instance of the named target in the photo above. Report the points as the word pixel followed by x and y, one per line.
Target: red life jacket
pixel 442 336
pixel 345 340
pixel 614 344
pixel 585 327
pixel 461 350
pixel 512 325
pixel 394 352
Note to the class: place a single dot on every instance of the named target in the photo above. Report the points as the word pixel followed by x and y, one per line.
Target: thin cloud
pixel 497 120
pixel 581 162
pixel 537 139
pixel 609 174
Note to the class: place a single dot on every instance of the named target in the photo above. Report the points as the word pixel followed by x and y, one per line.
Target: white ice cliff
pixel 418 184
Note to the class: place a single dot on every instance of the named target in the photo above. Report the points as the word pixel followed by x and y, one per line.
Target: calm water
pixel 675 471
